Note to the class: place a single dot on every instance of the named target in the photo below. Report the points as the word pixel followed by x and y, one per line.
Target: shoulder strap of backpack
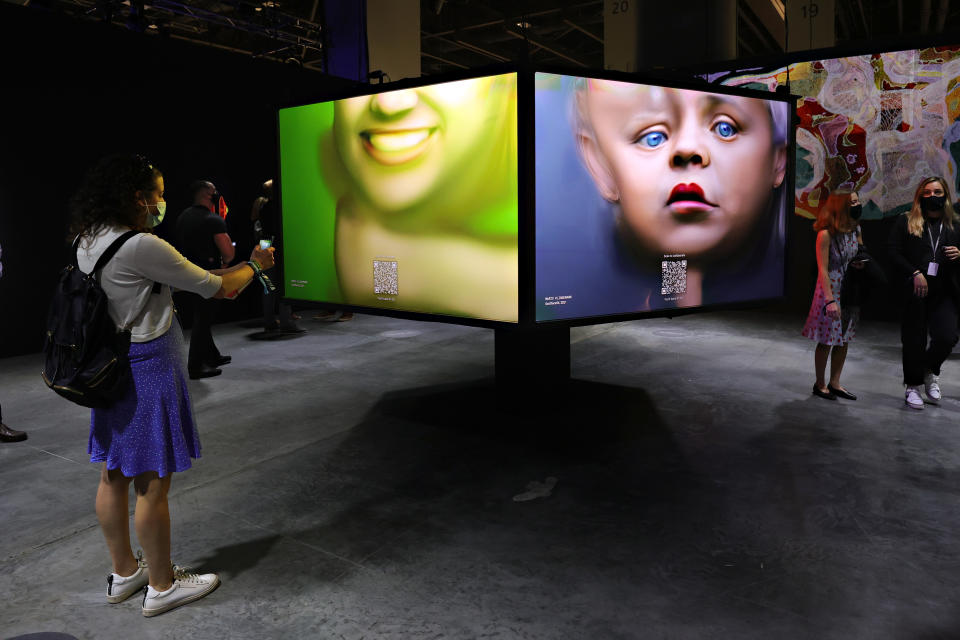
pixel 73 255
pixel 111 250
pixel 109 253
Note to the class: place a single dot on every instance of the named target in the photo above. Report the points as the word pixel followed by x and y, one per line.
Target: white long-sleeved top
pixel 128 279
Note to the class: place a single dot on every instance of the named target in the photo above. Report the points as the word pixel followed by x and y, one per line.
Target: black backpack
pixel 85 355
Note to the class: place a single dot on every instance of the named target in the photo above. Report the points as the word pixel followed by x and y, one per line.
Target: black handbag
pixel 857 282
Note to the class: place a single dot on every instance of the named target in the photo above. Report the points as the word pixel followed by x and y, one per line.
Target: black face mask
pixel 932 203
pixel 856 210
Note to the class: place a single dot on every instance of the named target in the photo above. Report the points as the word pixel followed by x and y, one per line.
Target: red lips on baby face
pixel 688 198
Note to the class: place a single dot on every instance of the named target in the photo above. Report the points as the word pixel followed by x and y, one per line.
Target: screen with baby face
pixel 405 200
pixel 651 198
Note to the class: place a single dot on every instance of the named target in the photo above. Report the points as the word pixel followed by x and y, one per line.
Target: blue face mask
pixel 155 220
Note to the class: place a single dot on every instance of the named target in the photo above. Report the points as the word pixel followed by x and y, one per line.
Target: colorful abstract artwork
pixel 874 123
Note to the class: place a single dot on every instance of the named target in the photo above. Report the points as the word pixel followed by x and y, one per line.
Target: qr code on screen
pixel 674 277
pixel 385 277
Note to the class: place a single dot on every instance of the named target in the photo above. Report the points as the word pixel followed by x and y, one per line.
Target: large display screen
pixel 652 198
pixel 877 124
pixel 405 200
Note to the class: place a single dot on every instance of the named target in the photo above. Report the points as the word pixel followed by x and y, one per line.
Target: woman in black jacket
pixel 923 247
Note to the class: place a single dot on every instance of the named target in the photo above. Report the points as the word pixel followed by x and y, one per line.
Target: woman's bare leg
pixel 820 356
pixel 836 365
pixel 113 512
pixel 152 520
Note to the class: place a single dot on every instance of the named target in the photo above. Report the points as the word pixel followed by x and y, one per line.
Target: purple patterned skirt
pixel 152 427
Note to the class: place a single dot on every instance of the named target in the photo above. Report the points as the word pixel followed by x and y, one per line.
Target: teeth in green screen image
pixel 405 200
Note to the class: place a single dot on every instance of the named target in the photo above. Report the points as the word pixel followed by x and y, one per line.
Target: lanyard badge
pixel 933 267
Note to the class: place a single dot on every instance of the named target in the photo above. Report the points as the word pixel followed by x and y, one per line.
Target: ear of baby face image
pixel 692 172
pixel 402 147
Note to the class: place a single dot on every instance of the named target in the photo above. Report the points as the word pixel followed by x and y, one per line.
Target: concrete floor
pixel 358 482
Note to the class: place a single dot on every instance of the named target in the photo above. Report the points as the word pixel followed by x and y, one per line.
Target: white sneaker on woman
pixel 913 399
pixel 119 588
pixel 931 385
pixel 186 587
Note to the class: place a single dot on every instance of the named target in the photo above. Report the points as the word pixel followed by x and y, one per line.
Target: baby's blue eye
pixel 725 129
pixel 652 140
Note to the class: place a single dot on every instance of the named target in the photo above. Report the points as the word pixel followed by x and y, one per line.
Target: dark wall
pixel 76 91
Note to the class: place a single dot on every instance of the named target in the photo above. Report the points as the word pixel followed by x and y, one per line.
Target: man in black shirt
pixel 278 319
pixel 203 239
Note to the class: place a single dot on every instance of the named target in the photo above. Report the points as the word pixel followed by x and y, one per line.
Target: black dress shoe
pixel 841 393
pixel 291 331
pixel 11 435
pixel 205 372
pixel 826 395
pixel 219 362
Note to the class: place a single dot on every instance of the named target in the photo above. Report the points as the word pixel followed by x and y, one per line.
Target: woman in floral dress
pixel 832 328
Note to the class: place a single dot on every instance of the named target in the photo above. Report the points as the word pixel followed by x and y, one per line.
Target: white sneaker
pixel 931 385
pixel 913 399
pixel 186 587
pixel 120 588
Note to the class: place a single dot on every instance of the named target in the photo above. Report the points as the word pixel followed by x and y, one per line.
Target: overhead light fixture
pixel 523 25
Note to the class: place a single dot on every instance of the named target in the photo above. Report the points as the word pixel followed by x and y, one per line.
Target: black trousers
pixel 276 313
pixel 935 315
pixel 203 351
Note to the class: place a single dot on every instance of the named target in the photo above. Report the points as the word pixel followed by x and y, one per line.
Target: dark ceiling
pixel 462 34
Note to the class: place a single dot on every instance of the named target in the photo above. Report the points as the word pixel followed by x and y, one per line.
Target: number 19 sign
pixel 810 24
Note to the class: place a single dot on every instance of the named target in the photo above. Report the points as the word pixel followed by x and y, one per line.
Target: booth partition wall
pixel 524 198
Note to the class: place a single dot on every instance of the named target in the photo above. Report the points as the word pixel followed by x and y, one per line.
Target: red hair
pixel 834 215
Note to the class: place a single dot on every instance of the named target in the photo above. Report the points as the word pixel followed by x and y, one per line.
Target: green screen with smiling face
pixel 405 199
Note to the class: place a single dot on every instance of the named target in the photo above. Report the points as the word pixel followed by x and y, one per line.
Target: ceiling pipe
pixel 582 30
pixel 443 60
pixel 476 49
pixel 546 48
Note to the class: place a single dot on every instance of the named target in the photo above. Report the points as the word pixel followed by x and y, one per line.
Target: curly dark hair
pixel 108 194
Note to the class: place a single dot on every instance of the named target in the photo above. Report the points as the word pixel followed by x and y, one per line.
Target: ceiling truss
pixel 464 34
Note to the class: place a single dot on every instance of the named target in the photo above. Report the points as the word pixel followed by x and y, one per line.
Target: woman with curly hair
pixel 838 239
pixel 923 248
pixel 149 433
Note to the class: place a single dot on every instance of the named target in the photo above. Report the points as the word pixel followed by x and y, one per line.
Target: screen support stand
pixel 532 366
